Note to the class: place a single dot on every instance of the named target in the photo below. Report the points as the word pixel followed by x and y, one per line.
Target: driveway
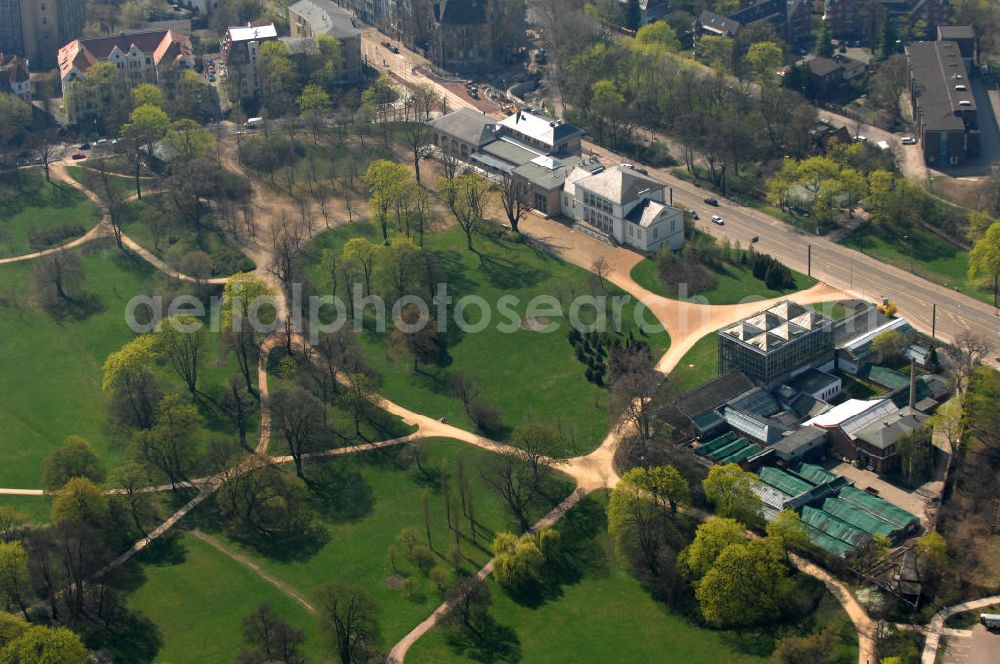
pixel 978 646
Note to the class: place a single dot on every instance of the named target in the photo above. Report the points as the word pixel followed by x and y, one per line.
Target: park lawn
pixel 735 284
pixel 198 604
pixel 377 500
pixel 525 374
pixel 933 259
pixel 175 241
pixel 38 509
pixel 344 160
pixel 603 616
pixel 90 178
pixel 52 367
pixel 37 205
pixel 699 365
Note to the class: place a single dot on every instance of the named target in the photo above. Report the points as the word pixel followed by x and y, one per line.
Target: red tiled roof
pixel 13 69
pixel 162 44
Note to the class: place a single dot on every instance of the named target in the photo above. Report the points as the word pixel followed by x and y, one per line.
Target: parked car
pixel 211 78
pixel 694 214
pixel 473 92
pixel 100 141
pixel 990 621
pixel 716 219
pixel 79 155
pixel 754 240
pixel 393 48
pixel 711 201
pixel 85 146
pixel 908 140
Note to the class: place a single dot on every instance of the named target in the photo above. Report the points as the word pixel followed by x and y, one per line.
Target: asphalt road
pixel 846 269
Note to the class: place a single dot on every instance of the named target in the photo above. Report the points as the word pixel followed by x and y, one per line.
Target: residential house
pixel 828 75
pixel 153 56
pixel 792 20
pixel 35 29
pixel 945 111
pixel 310 18
pixel 240 52
pixel 625 205
pixel 14 77
pixel 777 344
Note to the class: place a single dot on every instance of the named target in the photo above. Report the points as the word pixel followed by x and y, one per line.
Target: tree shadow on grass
pixel 339 492
pixel 297 546
pixel 510 273
pixel 493 643
pixel 134 638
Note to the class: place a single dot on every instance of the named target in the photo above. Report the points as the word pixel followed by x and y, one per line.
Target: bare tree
pixel 514 196
pixel 468 196
pixel 47 145
pixel 288 242
pixel 112 200
pixel 418 137
pixel 298 417
pixel 59 277
pixel 969 352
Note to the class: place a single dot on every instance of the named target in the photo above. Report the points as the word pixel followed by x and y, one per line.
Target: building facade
pixel 14 77
pixel 35 29
pixel 240 51
pixel 857 19
pixel 309 18
pixel 944 107
pixel 625 205
pixel 778 343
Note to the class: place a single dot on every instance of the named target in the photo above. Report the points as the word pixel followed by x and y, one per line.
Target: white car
pixel 908 140
pixel 716 219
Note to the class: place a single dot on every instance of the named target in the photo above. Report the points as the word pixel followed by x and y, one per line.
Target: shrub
pixel 41 238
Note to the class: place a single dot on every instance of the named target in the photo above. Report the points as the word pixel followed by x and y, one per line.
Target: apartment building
pixel 309 18
pixel 240 50
pixel 35 29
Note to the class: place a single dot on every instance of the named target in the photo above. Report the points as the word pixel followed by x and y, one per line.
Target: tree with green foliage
pixel 128 374
pixel 468 196
pixel 147 94
pixel 15 119
pixel 658 38
pixel 824 41
pixel 363 253
pixel 15 581
pixel 916 455
pixel 747 585
pixel 44 645
pixel 190 98
pixel 181 342
pixel 763 60
pixel 890 345
pixel 384 179
pixel 100 99
pixel 314 104
pixel 270 638
pixel 816 648
pixel 710 539
pixel 607 106
pixel 170 446
pixel 277 78
pixel 187 140
pixel 74 458
pixel 664 484
pixel 350 617
pixel 717 52
pixel 731 490
pixel 147 125
pixel 788 529
pixel 519 561
pixel 81 501
pixel 327 64
pixel 245 294
pixel 299 420
pixel 984 259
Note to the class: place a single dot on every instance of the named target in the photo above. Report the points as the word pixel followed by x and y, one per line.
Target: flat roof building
pixel 778 343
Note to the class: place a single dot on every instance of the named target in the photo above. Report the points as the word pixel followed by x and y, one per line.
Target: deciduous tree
pixel 74 458
pixel 730 488
pixel 350 616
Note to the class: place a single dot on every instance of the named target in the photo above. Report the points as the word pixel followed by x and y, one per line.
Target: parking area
pixel 976 647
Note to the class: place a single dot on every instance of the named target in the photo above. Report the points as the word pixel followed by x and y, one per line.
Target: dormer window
pixel 965 102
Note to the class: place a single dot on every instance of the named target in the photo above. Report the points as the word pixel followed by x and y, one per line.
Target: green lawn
pixel 176 240
pixel 699 365
pixel 51 377
pixel 603 616
pixel 375 498
pixel 933 259
pixel 37 508
pixel 198 597
pixel 90 178
pixel 29 203
pixel 734 284
pixel 524 373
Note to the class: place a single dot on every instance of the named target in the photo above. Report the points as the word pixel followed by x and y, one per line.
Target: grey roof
pixel 467 126
pixel 812 381
pixel 549 172
pixel 513 154
pixel 757 401
pixel 884 433
pixel 621 184
pixel 299 45
pixel 803 438
pixel 539 126
pixel 460 12
pixel 714 394
pixel 952 32
pixel 760 428
pixel 646 212
pixel 806 406
pixel 717 23
pixel 936 69
pixel 325 17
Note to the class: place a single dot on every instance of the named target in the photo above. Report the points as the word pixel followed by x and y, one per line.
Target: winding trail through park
pixel 686 321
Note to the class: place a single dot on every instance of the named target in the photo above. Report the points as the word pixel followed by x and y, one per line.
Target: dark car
pixel 85 146
pixel 79 155
pixel 393 48
pixel 211 78
pixel 694 214
pixel 712 201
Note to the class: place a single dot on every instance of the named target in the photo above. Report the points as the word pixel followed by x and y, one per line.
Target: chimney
pixel 913 386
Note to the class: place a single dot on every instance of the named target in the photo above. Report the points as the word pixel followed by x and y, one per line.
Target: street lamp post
pixel 910 238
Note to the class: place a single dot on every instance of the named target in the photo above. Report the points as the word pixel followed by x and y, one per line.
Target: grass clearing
pixel 373 499
pixel 33 205
pixel 735 284
pixel 197 597
pixel 605 615
pixel 90 178
pixel 37 508
pixel 525 373
pixel 699 365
